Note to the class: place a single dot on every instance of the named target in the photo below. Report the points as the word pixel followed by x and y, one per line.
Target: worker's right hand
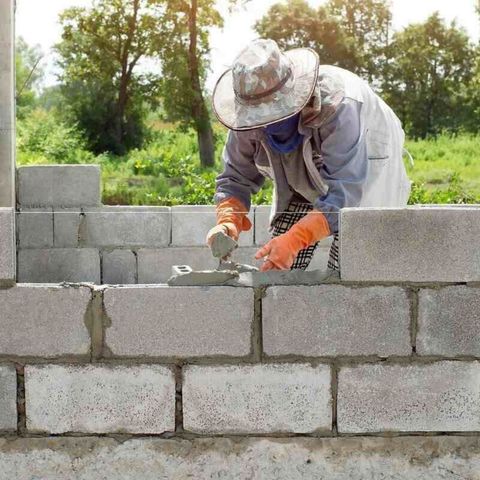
pixel 226 228
pixel 231 219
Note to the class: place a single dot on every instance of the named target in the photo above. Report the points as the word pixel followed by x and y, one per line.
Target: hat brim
pixel 237 116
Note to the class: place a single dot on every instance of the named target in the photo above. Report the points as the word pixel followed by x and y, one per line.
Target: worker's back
pixel 387 181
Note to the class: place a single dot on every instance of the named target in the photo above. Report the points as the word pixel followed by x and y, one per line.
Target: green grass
pixel 446 170
pixel 167 171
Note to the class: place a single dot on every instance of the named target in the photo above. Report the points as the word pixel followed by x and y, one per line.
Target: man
pixel 320 133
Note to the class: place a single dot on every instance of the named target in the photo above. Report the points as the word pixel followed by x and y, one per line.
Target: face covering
pixel 284 136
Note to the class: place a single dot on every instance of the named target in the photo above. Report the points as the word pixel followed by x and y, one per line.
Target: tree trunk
pixel 200 114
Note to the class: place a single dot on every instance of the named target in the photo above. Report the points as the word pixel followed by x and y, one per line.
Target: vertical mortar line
pixel 100 256
pixel 53 227
pixel 95 322
pixel 21 411
pixel 257 328
pixel 178 399
pixel 334 387
pixel 135 253
pixel 414 298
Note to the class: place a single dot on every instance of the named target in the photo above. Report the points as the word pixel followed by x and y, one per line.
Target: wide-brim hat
pixel 265 85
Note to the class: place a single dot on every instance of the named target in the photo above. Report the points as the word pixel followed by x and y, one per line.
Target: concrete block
pixel 449 321
pixel 155 265
pixel 179 321
pixel 66 227
pixel 59 186
pixel 437 397
pixel 262 224
pixel 44 321
pixel 451 457
pixel 119 267
pixel 35 228
pixel 417 244
pixel 57 265
pixel 8 398
pixel 126 227
pixel 100 399
pixel 7 245
pixel 253 399
pixel 191 223
pixel 331 320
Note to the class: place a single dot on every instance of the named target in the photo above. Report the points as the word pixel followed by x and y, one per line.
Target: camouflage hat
pixel 265 85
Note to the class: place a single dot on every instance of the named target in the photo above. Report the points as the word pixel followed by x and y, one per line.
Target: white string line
pixel 445 206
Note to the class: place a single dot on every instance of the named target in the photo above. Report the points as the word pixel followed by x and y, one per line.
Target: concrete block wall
pixel 65 234
pixel 151 359
pixel 375 374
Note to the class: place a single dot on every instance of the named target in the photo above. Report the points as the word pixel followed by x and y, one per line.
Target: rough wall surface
pixel 408 458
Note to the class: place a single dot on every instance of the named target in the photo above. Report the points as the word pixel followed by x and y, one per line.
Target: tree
pixel 366 25
pixel 352 34
pixel 430 63
pixel 184 58
pixel 29 75
pixel 100 52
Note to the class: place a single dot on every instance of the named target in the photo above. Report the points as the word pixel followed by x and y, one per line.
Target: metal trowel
pixel 222 247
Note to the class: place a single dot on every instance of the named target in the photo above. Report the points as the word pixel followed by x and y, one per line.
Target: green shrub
pixel 43 138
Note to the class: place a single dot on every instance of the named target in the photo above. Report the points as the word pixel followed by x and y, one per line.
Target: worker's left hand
pixel 280 253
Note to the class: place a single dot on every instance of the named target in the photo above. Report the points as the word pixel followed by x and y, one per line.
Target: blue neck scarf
pixel 284 136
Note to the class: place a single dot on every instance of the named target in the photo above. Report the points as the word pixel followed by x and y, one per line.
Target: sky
pixel 38 24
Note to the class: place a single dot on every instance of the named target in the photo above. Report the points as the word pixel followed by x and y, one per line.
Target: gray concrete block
pixel 35 228
pixel 449 321
pixel 44 321
pixel 437 397
pixel 253 399
pixel 359 458
pixel 331 320
pixel 7 245
pixel 126 227
pixel 262 224
pixel 57 265
pixel 179 321
pixel 119 267
pixel 8 398
pixel 155 265
pixel 417 244
pixel 191 223
pixel 59 186
pixel 66 227
pixel 100 399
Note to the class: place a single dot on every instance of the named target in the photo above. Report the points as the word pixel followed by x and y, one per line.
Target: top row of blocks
pixel 59 186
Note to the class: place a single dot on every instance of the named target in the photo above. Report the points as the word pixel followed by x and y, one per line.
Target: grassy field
pixel 167 172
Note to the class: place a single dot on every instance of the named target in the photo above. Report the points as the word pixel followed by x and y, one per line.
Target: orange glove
pixel 231 219
pixel 281 251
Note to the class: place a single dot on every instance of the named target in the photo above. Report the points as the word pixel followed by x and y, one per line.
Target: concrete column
pixel 7 104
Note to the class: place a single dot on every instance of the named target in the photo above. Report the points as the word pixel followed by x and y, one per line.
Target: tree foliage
pixel 352 34
pixel 29 75
pixel 430 65
pixel 100 55
pixel 184 58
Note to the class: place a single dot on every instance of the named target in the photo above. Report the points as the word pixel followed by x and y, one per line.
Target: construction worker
pixel 320 133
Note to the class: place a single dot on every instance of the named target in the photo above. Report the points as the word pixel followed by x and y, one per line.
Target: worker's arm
pixel 240 177
pixel 344 161
pixel 235 185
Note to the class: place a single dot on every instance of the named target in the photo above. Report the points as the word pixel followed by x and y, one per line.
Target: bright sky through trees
pixel 37 23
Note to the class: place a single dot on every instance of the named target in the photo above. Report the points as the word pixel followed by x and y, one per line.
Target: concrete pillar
pixel 7 104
